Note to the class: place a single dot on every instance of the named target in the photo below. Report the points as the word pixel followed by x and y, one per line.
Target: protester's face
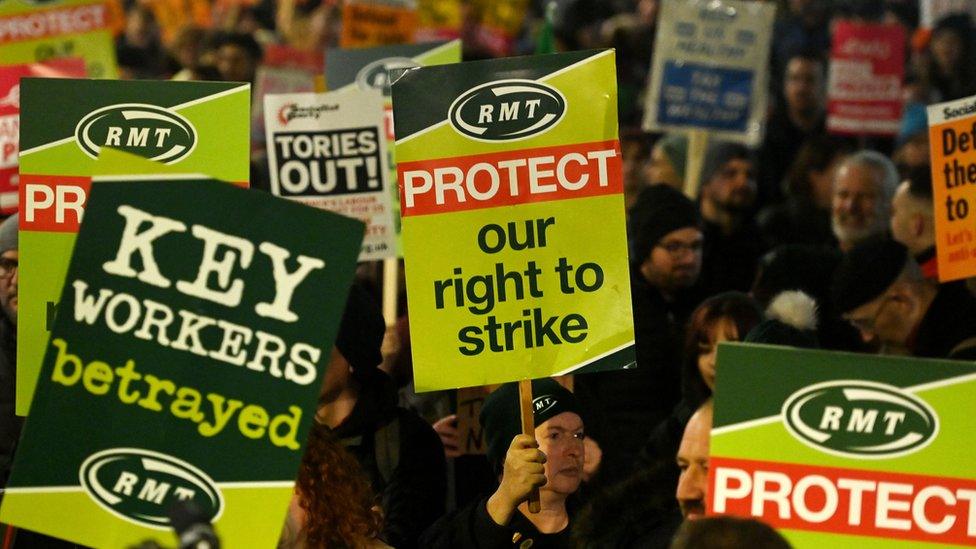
pixel 675 261
pixel 733 187
pixel 722 330
pixel 692 490
pixel 803 85
pixel 561 440
pixel 8 284
pixel 858 211
pixel 660 169
pixel 903 216
pixel 234 64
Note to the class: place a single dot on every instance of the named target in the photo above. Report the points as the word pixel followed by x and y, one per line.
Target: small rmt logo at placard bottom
pixel 141 486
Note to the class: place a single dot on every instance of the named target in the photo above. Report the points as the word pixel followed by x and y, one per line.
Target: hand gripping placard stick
pixel 528 428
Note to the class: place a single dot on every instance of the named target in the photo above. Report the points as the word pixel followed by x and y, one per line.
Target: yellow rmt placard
pixel 513 219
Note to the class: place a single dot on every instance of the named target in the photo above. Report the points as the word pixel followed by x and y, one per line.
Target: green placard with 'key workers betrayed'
pixel 184 365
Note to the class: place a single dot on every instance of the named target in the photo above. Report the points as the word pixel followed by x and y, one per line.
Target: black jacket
pixel 472 528
pixel 413 490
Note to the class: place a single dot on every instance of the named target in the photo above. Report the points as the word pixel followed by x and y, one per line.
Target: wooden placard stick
pixel 697 146
pixel 391 273
pixel 528 428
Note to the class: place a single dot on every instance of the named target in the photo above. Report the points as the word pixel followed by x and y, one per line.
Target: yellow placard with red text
pixel 513 219
pixel 952 138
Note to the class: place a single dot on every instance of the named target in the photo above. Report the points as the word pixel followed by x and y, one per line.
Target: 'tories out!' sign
pixel 514 241
pixel 328 150
pixel 184 365
pixel 840 448
pixel 364 69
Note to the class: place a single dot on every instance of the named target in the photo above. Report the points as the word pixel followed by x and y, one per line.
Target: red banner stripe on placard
pixel 508 178
pixel 52 203
pixel 54 22
pixel 876 504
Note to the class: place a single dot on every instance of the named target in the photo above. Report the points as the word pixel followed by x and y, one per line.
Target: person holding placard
pixel 552 460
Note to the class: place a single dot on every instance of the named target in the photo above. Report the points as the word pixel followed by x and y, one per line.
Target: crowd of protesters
pixel 810 240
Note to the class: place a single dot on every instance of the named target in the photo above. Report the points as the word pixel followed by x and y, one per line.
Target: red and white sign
pixel 846 501
pixel 867 66
pixel 10 118
pixel 509 178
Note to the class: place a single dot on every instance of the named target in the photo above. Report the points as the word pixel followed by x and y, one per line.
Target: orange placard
pixel 376 24
pixel 952 138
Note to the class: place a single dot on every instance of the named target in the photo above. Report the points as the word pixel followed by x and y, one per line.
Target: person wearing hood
pixel 399 451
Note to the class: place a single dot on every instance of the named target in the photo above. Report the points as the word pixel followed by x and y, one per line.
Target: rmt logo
pixel 507 110
pixel 140 486
pixel 860 419
pixel 376 75
pixel 152 132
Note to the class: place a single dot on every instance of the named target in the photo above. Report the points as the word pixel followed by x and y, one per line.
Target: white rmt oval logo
pixel 543 404
pixel 149 131
pixel 507 110
pixel 141 486
pixel 860 419
pixel 375 76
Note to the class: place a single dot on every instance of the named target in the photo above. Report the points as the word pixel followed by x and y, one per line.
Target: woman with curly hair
pixel 333 506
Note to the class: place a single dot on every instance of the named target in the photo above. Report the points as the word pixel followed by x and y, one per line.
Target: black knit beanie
pixel 867 271
pixel 717 155
pixel 658 210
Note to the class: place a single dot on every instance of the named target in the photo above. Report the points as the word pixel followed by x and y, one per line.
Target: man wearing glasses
pixel 10 424
pixel 883 293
